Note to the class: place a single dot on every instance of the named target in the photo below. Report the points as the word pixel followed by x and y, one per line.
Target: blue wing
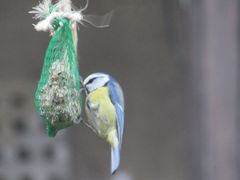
pixel 116 96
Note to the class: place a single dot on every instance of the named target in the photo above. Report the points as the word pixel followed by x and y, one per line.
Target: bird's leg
pixel 81 79
pixel 83 89
pixel 88 126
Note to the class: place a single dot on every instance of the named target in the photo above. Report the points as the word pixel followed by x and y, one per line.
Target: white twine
pixel 45 25
pixel 64 9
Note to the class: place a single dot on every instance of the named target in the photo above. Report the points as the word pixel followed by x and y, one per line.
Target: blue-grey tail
pixel 115 159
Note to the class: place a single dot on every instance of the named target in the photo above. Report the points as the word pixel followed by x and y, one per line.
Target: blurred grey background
pixel 177 63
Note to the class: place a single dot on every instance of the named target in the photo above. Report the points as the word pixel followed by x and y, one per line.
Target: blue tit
pixel 105 112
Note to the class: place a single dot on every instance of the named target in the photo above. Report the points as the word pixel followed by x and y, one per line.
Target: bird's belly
pixel 103 118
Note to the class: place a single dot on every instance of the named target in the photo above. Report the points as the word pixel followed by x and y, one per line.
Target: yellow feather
pixel 104 121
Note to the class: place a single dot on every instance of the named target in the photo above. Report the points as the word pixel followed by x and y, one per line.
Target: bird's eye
pixel 91 80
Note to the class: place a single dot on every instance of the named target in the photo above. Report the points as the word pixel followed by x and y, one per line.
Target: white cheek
pixel 90 87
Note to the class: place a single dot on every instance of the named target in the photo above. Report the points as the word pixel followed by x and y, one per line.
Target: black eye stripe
pixel 91 80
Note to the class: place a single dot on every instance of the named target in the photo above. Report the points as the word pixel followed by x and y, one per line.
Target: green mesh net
pixel 58 96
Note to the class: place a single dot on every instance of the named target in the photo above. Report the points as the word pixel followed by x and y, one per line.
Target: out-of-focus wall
pixel 145 50
pixel 26 153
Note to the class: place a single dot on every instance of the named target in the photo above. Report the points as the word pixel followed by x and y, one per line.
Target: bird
pixel 104 108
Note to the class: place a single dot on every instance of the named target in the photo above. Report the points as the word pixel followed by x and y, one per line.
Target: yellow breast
pixel 104 121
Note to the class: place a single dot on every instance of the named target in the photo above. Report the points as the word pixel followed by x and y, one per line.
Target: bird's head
pixel 96 80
